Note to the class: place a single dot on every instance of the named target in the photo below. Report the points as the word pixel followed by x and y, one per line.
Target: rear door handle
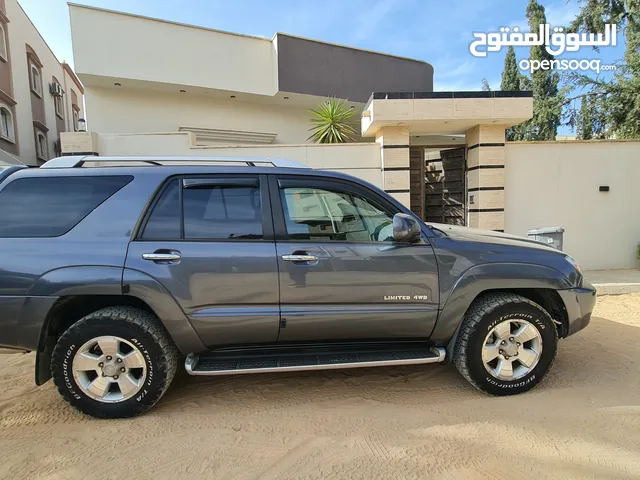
pixel 300 258
pixel 162 257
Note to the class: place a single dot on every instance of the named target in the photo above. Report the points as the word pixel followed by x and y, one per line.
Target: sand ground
pixel 583 421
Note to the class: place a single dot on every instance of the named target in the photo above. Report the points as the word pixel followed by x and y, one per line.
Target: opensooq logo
pixel 555 43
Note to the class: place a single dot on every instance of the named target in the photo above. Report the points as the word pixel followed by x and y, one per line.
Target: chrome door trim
pixel 300 258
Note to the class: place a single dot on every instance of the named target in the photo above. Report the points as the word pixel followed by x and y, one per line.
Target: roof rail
pixel 78 161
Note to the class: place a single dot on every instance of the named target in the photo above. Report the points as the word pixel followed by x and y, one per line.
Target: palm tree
pixel 332 122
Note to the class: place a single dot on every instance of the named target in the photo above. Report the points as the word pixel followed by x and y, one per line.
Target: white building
pixel 227 88
pixel 39 96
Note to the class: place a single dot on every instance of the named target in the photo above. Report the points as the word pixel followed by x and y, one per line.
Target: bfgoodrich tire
pixel 116 362
pixel 506 344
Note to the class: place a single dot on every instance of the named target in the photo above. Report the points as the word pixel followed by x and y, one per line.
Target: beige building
pixel 225 88
pixel 39 96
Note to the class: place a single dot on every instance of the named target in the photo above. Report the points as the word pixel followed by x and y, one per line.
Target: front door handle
pixel 300 258
pixel 162 257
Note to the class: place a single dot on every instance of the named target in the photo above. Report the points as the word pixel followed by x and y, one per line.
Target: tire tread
pixel 149 323
pixel 481 307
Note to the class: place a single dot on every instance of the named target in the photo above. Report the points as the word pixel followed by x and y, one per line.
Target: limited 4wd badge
pixel 405 297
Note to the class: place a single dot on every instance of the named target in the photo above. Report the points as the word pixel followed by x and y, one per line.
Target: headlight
pixel 573 262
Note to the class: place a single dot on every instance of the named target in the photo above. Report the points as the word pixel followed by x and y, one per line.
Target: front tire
pixel 506 344
pixel 116 362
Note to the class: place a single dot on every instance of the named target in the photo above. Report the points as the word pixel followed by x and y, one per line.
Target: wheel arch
pixel 78 298
pixel 65 312
pixel 538 283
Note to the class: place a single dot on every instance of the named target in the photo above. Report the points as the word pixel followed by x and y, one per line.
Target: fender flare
pixel 146 288
pixel 487 277
pixel 99 280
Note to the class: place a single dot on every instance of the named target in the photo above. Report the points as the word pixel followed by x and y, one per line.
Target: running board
pixel 233 363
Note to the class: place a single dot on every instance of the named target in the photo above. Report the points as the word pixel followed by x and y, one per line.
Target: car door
pixel 342 276
pixel 209 241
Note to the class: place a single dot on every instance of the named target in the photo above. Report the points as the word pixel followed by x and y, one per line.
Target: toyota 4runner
pixel 115 269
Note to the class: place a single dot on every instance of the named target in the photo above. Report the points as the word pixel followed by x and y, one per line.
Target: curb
pixel 616 288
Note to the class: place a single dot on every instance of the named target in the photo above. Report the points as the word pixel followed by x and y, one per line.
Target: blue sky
pixel 434 31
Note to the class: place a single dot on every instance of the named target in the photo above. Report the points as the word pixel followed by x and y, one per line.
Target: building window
pixel 36 80
pixel 57 102
pixel 3 43
pixel 56 91
pixel 6 120
pixel 76 116
pixel 42 150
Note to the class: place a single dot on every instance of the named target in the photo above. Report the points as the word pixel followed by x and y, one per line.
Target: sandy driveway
pixel 405 422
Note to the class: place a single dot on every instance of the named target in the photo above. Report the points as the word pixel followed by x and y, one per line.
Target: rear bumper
pixel 579 303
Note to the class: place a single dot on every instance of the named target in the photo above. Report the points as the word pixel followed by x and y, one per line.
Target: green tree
pixel 547 98
pixel 332 122
pixel 513 81
pixel 584 123
pixel 614 101
pixel 510 75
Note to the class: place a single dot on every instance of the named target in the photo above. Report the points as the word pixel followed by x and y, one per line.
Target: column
pixel 394 142
pixel 485 177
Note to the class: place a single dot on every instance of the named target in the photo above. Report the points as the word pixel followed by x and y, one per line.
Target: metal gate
pixel 437 182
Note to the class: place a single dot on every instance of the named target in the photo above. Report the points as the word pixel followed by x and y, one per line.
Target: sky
pixel 438 32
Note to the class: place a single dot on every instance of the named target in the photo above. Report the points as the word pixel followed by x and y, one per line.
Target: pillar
pixel 485 177
pixel 394 143
pixel 79 143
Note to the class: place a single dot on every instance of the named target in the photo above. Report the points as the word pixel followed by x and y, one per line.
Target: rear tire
pixel 506 344
pixel 116 362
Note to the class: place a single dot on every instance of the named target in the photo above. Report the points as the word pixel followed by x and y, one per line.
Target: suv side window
pixel 325 214
pixel 52 206
pixel 164 221
pixel 222 212
pixel 209 211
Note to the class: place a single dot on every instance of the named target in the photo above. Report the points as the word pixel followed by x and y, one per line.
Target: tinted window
pixel 222 212
pixel 313 213
pixel 50 207
pixel 164 221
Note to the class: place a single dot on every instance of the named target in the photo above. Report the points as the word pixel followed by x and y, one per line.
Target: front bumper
pixel 579 303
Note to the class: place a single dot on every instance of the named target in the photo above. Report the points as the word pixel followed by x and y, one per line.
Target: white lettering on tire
pixel 144 351
pixel 65 371
pixel 511 385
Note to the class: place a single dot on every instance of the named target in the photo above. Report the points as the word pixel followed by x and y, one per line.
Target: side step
pixel 290 360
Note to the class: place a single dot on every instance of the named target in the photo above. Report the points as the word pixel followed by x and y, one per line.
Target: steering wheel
pixel 376 233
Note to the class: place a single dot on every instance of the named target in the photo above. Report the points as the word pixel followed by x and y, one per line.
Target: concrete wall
pixel 121 110
pixel 362 160
pixel 126 46
pixel 557 184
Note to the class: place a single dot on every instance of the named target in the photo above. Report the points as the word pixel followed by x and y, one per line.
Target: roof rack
pixel 78 161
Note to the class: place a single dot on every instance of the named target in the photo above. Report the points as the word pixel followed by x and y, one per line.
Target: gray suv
pixel 116 270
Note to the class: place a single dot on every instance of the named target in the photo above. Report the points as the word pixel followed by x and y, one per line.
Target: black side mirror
pixel 405 228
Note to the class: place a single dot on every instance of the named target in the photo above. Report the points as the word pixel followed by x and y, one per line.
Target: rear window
pixel 50 207
pixel 210 212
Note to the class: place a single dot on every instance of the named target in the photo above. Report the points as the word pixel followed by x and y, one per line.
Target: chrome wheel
pixel 109 369
pixel 512 349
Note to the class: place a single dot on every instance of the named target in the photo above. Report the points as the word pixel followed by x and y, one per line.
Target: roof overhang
pixel 445 113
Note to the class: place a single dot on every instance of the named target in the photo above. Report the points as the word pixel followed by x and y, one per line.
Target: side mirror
pixel 405 228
